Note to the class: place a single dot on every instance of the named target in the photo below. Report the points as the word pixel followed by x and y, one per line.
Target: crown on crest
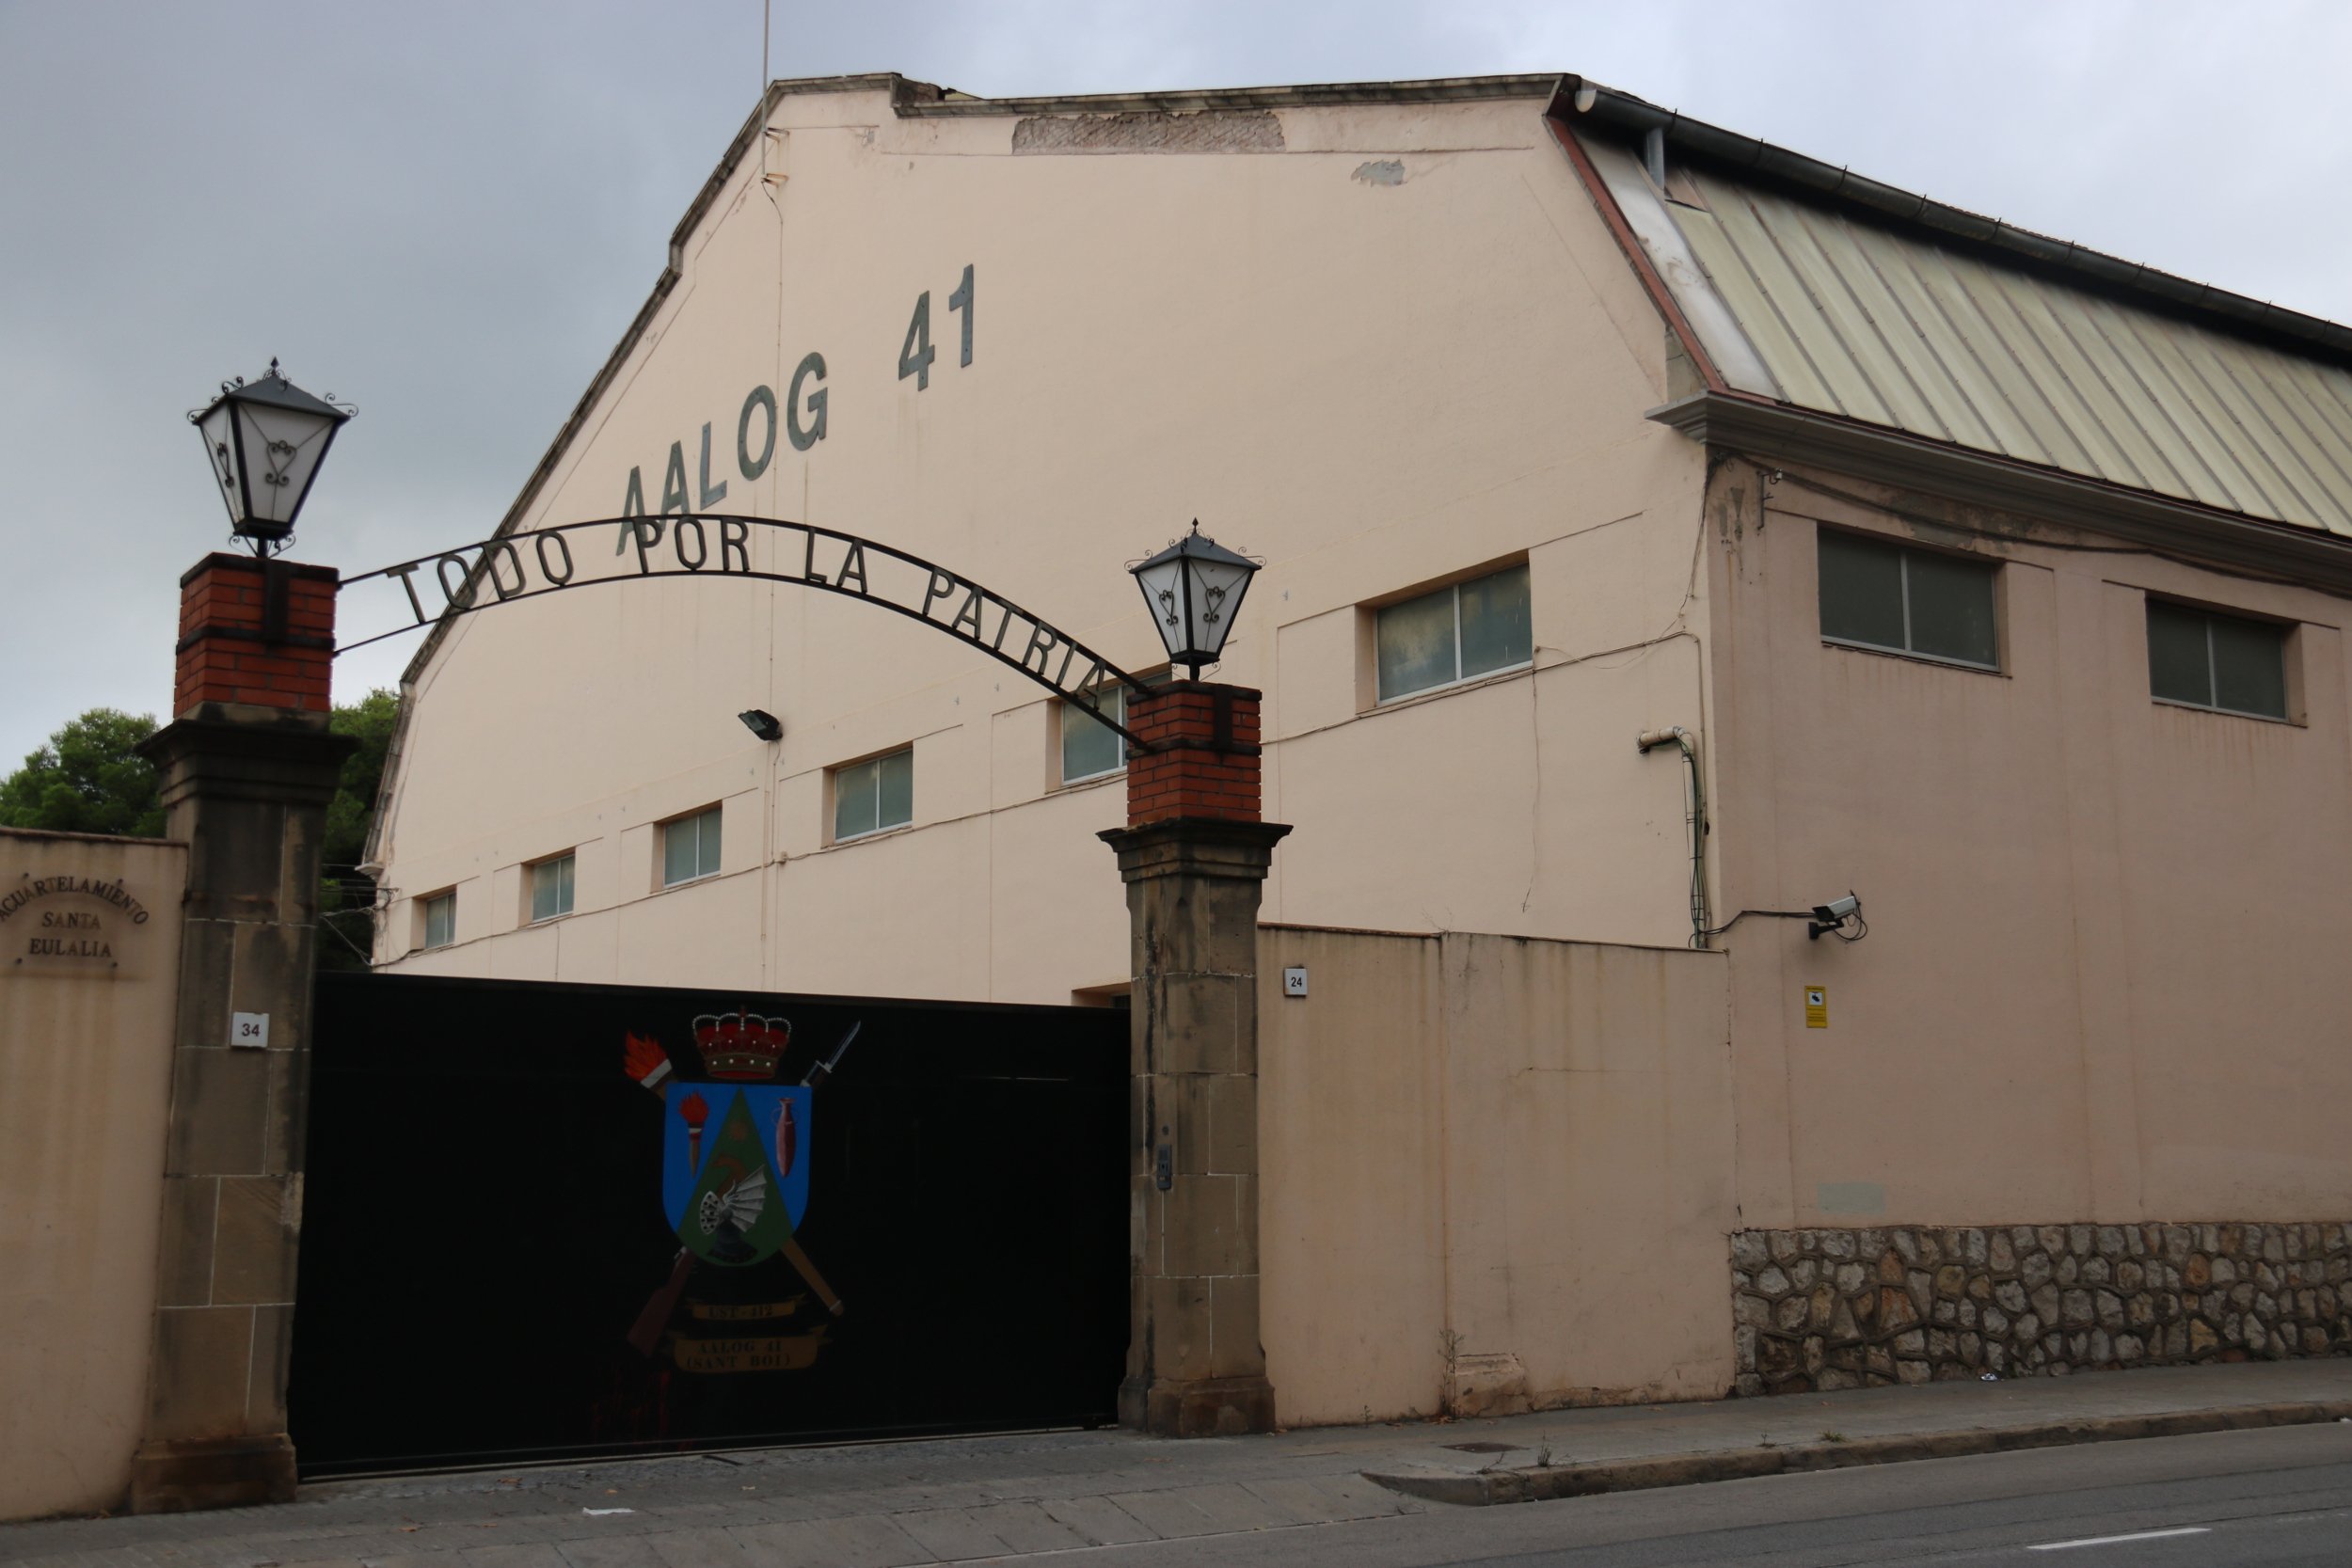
pixel 741 1044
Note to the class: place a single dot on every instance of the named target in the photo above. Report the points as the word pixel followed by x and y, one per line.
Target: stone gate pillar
pixel 247 768
pixel 1194 854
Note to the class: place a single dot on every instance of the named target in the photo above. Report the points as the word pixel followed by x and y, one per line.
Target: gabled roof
pixel 2291 463
pixel 1812 288
pixel 911 98
pixel 1812 293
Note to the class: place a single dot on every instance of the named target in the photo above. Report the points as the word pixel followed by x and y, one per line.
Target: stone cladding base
pixel 1827 1309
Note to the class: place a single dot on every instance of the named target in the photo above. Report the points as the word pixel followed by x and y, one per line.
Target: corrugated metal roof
pixel 1744 156
pixel 1851 316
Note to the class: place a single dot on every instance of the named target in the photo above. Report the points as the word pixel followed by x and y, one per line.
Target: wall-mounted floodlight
pixel 762 724
pixel 1833 916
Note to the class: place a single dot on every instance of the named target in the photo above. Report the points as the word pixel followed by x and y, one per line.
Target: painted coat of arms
pixel 734 1175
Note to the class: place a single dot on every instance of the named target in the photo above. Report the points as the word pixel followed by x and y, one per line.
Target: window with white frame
pixel 870 796
pixel 689 847
pixel 1090 748
pixel 1459 633
pixel 441 919
pixel 2224 662
pixel 551 887
pixel 1890 599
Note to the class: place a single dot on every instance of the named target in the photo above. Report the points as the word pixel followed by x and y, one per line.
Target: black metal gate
pixel 542 1221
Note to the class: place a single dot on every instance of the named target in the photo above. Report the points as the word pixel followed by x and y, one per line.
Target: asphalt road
pixel 2277 1497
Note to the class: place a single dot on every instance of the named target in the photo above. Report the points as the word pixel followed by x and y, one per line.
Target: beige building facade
pixel 1557 422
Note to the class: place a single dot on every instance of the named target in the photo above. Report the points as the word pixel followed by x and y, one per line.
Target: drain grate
pixel 1480 1448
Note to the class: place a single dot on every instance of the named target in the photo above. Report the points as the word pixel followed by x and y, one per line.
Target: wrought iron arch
pixel 534 563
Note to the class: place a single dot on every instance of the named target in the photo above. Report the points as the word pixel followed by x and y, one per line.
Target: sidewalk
pixel 971 1499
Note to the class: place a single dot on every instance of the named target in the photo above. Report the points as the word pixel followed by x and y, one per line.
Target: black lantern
pixel 266 439
pixel 1195 589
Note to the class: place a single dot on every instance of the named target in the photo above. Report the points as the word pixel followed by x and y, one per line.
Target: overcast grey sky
pixel 446 213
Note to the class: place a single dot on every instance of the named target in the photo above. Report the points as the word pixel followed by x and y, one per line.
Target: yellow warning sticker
pixel 1817 1007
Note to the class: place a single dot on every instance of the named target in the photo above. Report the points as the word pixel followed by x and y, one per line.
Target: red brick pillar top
pixel 1201 756
pixel 255 631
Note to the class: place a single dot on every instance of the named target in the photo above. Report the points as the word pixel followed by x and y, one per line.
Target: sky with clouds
pixel 447 211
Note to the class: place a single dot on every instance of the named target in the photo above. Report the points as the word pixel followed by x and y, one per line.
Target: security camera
pixel 1832 916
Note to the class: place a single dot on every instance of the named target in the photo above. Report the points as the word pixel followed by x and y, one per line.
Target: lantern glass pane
pixel 282 446
pixel 1163 589
pixel 1216 591
pixel 220 447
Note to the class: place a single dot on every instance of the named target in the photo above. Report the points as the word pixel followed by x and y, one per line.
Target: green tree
pixel 90 780
pixel 345 895
pixel 370 721
pixel 87 780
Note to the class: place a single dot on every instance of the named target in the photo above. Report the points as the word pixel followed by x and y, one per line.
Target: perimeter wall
pixel 1497 1174
pixel 89 948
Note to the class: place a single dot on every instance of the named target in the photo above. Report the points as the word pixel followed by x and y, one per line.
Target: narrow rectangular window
pixel 441 919
pixel 551 888
pixel 1090 748
pixel 895 804
pixel 1496 631
pixel 2179 661
pixel 689 847
pixel 1459 633
pixel 868 796
pixel 2223 662
pixel 1894 599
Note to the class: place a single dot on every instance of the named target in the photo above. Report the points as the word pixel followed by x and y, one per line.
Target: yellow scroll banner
pixel 775 1353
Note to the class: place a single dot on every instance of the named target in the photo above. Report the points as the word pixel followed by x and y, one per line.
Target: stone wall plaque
pixel 64 923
